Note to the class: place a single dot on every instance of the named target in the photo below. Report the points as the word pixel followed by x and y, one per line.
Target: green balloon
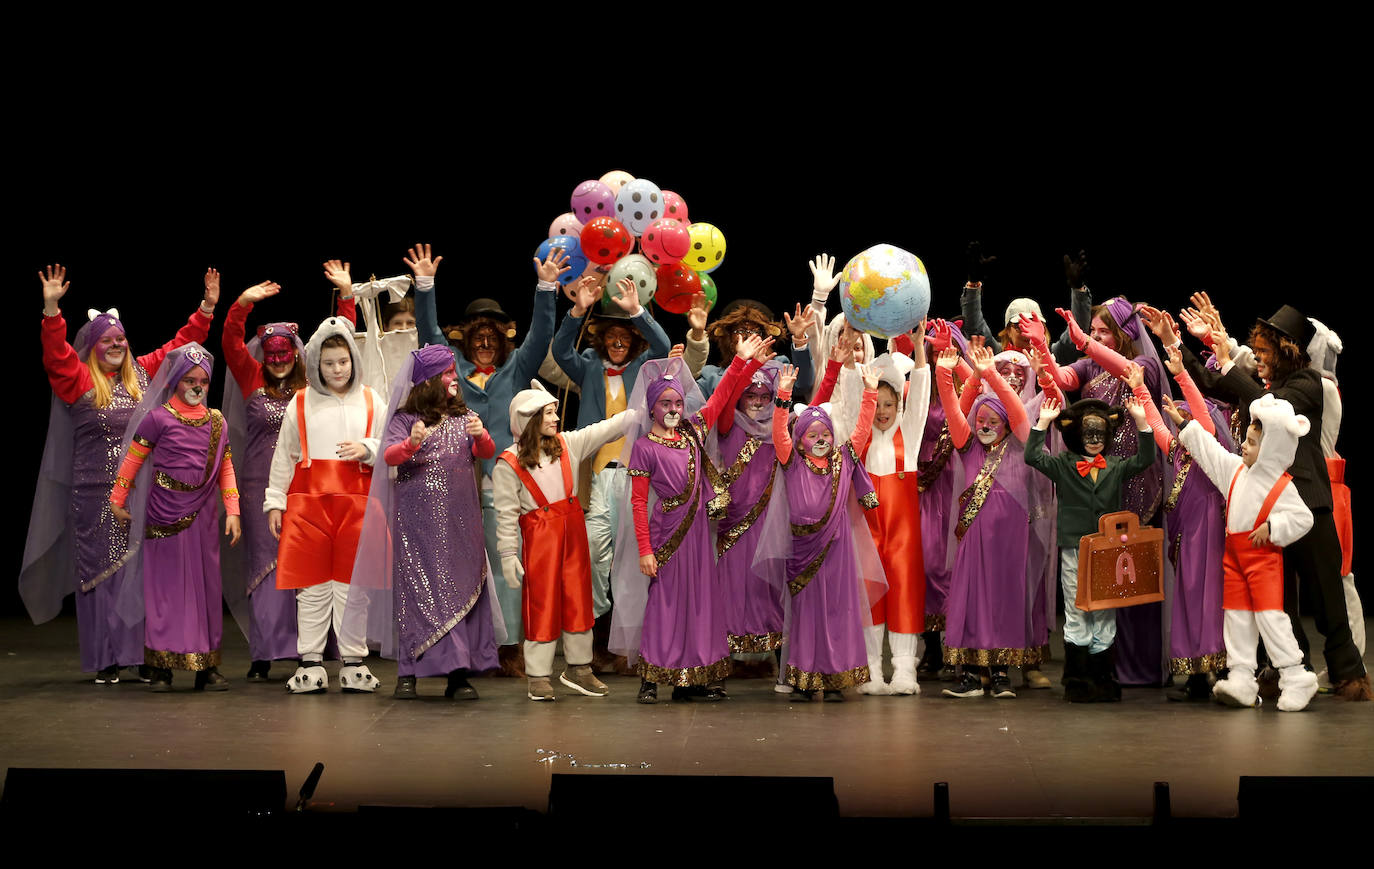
pixel 708 288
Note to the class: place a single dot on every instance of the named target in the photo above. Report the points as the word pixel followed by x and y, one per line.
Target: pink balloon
pixel 666 241
pixel 675 207
pixel 565 224
pixel 591 200
pixel 616 179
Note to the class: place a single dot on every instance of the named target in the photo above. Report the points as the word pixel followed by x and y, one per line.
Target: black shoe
pixel 1198 688
pixel 835 696
pixel 211 680
pixel 681 694
pixel 801 695
pixel 257 671
pixel 969 685
pixel 1001 686
pixel 405 688
pixel 714 692
pixel 159 680
pixel 145 673
pixel 108 676
pixel 1102 675
pixel 648 692
pixel 458 686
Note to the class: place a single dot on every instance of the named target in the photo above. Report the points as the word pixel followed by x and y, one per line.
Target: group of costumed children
pixel 732 510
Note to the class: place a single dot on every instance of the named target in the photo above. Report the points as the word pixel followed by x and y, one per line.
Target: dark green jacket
pixel 1081 501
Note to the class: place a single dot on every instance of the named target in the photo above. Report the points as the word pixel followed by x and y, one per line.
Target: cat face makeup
pixel 1012 374
pixel 756 402
pixel 194 387
pixel 989 428
pixel 817 440
pixel 1094 434
pixel 667 411
pixel 111 349
pixel 450 380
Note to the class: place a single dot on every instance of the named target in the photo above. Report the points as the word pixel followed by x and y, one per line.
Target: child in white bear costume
pixel 1263 514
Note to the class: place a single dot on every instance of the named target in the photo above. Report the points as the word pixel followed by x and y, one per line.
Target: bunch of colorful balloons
pixel 609 214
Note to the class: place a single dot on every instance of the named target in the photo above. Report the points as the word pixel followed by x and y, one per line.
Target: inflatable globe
pixel 884 291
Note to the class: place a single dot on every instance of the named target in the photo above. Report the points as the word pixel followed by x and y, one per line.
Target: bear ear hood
pixel 332 326
pixel 1282 430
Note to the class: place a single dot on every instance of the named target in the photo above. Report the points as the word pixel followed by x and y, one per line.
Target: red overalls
pixel 324 514
pixel 896 530
pixel 1253 574
pixel 1340 510
pixel 557 593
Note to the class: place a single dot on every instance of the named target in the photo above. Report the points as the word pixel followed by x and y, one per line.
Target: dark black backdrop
pixel 1170 186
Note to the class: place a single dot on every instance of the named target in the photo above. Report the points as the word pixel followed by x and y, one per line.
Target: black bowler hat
pixel 486 308
pixel 1290 323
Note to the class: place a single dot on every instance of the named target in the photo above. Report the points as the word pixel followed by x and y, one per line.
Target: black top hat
pixel 1290 323
pixel 486 308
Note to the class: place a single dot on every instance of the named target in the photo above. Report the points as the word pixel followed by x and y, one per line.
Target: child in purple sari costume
pixel 670 606
pixel 175 521
pixel 833 572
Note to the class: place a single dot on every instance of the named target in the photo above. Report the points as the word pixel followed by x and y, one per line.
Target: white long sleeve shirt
pixel 1289 519
pixel 330 420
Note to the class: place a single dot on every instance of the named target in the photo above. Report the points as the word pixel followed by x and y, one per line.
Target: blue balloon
pixel 576 263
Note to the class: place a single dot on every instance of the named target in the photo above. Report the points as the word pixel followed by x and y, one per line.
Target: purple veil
pixel 628 585
pixel 370 591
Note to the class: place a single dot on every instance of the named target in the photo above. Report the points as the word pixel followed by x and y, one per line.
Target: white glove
pixel 514 571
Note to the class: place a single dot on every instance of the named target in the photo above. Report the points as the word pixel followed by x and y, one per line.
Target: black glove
pixel 977 264
pixel 1076 270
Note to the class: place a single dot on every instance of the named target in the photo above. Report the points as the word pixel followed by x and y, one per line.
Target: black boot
pixel 1102 672
pixel 211 680
pixel 257 671
pixel 159 680
pixel 931 661
pixel 1078 685
pixel 405 688
pixel 458 686
pixel 648 692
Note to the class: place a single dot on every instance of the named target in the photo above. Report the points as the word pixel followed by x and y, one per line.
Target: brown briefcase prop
pixel 1121 565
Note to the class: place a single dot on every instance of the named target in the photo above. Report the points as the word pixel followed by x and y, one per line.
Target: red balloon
pixel 677 284
pixel 666 241
pixel 605 240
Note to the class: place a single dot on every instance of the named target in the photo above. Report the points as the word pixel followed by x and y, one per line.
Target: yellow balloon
pixel 707 250
pixel 615 179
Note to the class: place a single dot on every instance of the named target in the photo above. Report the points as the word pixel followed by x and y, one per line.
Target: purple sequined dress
pixel 1195 544
pixel 273 633
pixel 100 540
pixel 442 609
pixel 684 639
pixel 754 607
pixel 182 592
pixel 937 494
pixel 1139 629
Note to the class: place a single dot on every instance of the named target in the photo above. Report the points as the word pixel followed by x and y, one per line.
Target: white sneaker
pixel 1297 687
pixel 308 679
pixel 357 679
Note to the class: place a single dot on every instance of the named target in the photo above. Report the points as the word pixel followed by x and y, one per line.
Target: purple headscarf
pixel 658 386
pixel 93 331
pixel 428 361
pixel 804 419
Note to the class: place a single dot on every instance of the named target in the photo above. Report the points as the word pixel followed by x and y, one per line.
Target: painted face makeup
pixel 756 402
pixel 990 429
pixel 817 440
pixel 111 349
pixel 1101 334
pixel 194 387
pixel 1264 357
pixel 668 409
pixel 484 345
pixel 336 369
pixel 617 342
pixel 450 380
pixel 1094 435
pixel 1012 374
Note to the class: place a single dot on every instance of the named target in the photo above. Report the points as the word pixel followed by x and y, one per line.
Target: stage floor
pixel 1035 756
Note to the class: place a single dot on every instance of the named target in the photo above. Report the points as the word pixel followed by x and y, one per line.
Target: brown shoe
pixel 1354 690
pixel 540 688
pixel 512 661
pixel 580 679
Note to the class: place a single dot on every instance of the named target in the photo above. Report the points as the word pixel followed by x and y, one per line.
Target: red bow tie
pixel 1084 467
pixel 615 372
pixel 488 370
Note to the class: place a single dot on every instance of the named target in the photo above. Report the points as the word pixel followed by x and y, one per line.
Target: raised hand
pixel 1160 323
pixel 584 292
pixel 843 350
pixel 749 346
pixel 870 376
pixel 948 358
pixel 1049 411
pixel 1137 413
pixel 977 264
pixel 258 292
pixel 337 273
pixel 1221 345
pixel 474 427
pixel 552 266
pixel 823 277
pixel 1174 362
pixel 1197 324
pixel 696 315
pixel 918 344
pixel 1134 376
pixel 1171 409
pixel 1076 270
pixel 422 261
pixel 787 379
pixel 627 299
pixel 977 342
pixel 941 336
pixel 418 432
pixel 211 287
pixel 677 351
pixel 1076 334
pixel 1032 328
pixel 802 319
pixel 55 286
pixel 982 358
pixel 1037 360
